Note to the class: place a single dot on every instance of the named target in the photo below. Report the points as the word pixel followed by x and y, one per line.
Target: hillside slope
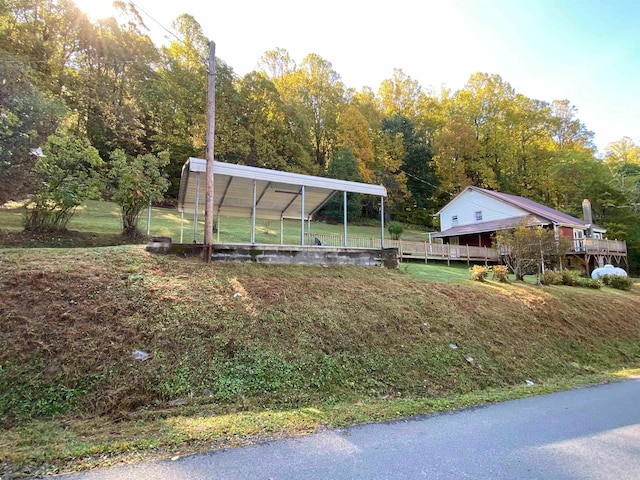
pixel 240 337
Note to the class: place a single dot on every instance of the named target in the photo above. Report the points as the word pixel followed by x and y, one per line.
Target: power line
pixel 170 32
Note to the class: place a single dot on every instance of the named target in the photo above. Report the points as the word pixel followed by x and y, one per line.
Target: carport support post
pixel 149 219
pixel 218 226
pixel 181 223
pixel 381 222
pixel 302 217
pixel 195 210
pixel 281 230
pixel 344 219
pixel 253 215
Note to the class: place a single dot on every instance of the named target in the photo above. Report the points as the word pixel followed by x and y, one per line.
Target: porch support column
pixel 218 227
pixel 281 230
pixel 344 219
pixel 302 218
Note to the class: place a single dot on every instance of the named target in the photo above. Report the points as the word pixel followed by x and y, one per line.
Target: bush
pixel 618 281
pixel 588 283
pixel 395 230
pixel 571 278
pixel 500 273
pixel 479 273
pixel 551 277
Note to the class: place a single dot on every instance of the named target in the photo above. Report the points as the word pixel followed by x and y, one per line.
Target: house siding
pixel 469 202
pixel 474 240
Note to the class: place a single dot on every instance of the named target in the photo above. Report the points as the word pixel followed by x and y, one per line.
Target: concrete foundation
pixel 284 254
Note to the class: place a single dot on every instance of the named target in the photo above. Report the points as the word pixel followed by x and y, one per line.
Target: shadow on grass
pixel 62 239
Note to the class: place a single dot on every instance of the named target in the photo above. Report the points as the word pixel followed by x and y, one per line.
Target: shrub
pixel 588 283
pixel 500 273
pixel 479 273
pixel 395 230
pixel 551 277
pixel 571 278
pixel 618 281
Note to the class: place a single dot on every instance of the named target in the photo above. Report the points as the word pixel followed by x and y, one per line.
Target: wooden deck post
pixel 468 255
pixel 448 254
pixel 426 252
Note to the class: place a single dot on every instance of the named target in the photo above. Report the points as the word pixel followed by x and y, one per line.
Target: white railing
pixel 408 248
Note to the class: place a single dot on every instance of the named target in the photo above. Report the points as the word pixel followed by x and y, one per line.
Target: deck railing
pixel 597 246
pixel 409 249
pixel 444 251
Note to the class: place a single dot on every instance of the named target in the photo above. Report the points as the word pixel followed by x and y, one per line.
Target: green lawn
pixel 104 218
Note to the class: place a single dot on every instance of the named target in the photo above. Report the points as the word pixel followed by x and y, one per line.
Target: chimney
pixel 588 216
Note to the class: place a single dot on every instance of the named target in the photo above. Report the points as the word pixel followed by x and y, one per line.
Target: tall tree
pixel 400 95
pixel 483 102
pixel 456 157
pixel 177 98
pixel 344 166
pixel 27 118
pixel 568 132
pixel 353 134
pixel 321 93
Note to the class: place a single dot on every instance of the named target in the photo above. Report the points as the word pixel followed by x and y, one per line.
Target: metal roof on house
pixel 277 194
pixel 490 226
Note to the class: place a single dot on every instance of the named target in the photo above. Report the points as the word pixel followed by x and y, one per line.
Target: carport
pixel 252 192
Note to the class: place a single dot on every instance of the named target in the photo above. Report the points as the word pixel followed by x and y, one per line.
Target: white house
pixel 476 213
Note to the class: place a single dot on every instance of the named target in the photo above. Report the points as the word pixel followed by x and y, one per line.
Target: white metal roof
pixel 278 194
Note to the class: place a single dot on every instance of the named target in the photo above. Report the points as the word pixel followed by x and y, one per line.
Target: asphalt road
pixel 590 433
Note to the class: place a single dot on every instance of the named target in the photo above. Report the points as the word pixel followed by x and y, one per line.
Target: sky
pixel 585 51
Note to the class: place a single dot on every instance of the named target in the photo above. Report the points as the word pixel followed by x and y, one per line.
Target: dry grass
pixel 241 339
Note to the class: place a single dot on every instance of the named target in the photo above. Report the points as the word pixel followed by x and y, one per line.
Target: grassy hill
pixel 243 352
pixel 240 353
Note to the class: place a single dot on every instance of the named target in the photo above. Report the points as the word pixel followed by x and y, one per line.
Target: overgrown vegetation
pixel 395 229
pixel 236 347
pixel 618 281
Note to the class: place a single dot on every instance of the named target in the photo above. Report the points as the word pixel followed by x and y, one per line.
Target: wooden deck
pixel 412 250
pixel 613 251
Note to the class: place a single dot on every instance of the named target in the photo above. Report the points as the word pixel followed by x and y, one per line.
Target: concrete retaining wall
pixel 285 254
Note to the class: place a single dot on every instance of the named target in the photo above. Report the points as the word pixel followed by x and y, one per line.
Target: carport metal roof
pixel 242 191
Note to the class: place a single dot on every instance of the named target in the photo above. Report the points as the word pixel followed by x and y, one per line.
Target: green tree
pixel 456 156
pixel 69 174
pixel 343 166
pixel 400 95
pixel 354 134
pixel 177 97
pixel 109 82
pixel 320 95
pixel 134 183
pixel 527 250
pixel 27 117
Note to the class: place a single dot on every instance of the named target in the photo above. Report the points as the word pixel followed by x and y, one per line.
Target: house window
pixel 454 220
pixel 478 215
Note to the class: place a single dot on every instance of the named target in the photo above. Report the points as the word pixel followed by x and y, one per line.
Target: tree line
pixel 106 85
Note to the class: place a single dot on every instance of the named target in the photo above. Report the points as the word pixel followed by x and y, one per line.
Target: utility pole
pixel 211 128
